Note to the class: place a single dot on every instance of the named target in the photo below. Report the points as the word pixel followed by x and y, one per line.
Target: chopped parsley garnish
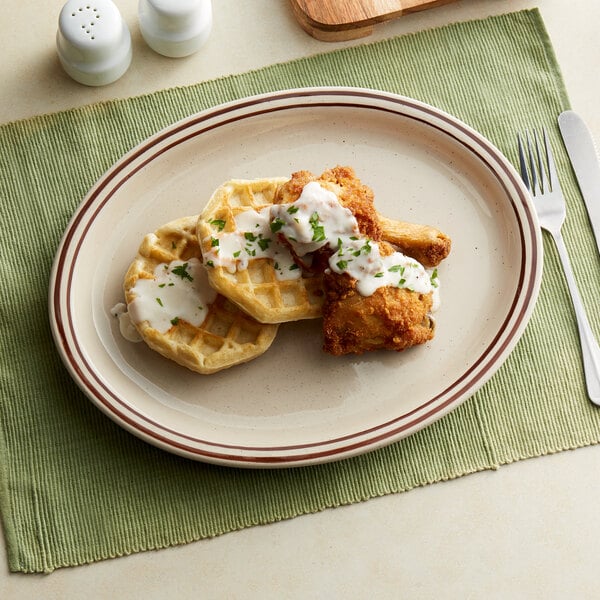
pixel 277 224
pixel 218 223
pixel 434 279
pixel 339 245
pixel 161 285
pixel 292 209
pixel 210 263
pixel 294 267
pixel 181 271
pixel 318 230
pixel 236 254
pixel 174 320
pixel 214 242
pixel 341 264
pixel 380 274
pixel 159 301
pixel 250 236
pixel 396 269
pixel 401 282
pixel 264 243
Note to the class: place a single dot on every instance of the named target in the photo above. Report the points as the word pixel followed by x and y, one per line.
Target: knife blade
pixel 584 160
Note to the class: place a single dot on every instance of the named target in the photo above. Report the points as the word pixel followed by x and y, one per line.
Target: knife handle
pixel 589 346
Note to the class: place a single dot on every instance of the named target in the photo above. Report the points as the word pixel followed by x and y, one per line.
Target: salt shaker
pixel 93 41
pixel 175 28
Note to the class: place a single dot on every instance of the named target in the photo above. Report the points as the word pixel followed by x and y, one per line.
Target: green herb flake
pixel 161 285
pixel 294 267
pixel 174 320
pixel 236 254
pixel 277 224
pixel 341 264
pixel 210 263
pixel 181 271
pixel 159 301
pixel 214 242
pixel 318 230
pixel 401 282
pixel 380 274
pixel 264 243
pixel 250 236
pixel 434 279
pixel 218 223
pixel 396 269
pixel 292 209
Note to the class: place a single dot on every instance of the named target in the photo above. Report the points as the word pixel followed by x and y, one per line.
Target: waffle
pixel 226 337
pixel 256 289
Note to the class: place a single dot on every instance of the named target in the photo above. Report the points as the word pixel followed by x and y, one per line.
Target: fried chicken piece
pixel 425 244
pixel 392 318
pixel 351 193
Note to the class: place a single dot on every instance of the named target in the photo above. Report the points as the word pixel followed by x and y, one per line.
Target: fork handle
pixel 589 346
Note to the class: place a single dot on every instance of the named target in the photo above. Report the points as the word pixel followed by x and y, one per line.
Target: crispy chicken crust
pixel 425 244
pixel 391 318
pixel 351 193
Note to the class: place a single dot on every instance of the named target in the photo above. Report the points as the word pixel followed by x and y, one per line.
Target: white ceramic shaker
pixel 93 41
pixel 175 28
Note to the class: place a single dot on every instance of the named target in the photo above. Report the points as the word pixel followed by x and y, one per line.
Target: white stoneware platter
pixel 295 405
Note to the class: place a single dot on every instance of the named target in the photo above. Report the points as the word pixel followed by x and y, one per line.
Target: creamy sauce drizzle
pixel 252 238
pixel 315 220
pixel 178 291
pixel 126 327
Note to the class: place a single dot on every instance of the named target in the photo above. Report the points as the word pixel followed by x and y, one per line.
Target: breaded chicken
pixel 424 243
pixel 392 318
pixel 351 193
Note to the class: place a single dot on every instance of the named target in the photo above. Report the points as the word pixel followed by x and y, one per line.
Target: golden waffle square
pixel 227 336
pixel 256 289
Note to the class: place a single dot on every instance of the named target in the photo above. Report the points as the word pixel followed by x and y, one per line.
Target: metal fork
pixel 538 171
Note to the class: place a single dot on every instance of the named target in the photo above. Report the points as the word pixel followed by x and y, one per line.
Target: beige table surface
pixel 529 530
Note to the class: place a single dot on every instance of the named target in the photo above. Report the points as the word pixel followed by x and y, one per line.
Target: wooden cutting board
pixel 339 20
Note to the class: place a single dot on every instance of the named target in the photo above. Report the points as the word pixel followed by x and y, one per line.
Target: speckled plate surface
pixel 295 405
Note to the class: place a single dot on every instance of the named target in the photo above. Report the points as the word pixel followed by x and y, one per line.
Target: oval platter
pixel 295 405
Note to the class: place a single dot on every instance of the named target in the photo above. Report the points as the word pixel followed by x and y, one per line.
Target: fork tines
pixel 536 159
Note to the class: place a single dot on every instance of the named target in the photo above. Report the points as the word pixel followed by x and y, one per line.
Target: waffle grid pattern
pixel 225 338
pixel 256 289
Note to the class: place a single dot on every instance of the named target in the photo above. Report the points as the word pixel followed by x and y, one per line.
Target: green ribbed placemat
pixel 76 488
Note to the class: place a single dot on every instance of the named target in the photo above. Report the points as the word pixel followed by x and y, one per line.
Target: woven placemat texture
pixel 76 488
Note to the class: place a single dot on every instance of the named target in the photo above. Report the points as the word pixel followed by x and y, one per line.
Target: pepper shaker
pixel 175 28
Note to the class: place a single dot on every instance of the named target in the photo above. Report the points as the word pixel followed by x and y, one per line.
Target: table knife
pixel 584 160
